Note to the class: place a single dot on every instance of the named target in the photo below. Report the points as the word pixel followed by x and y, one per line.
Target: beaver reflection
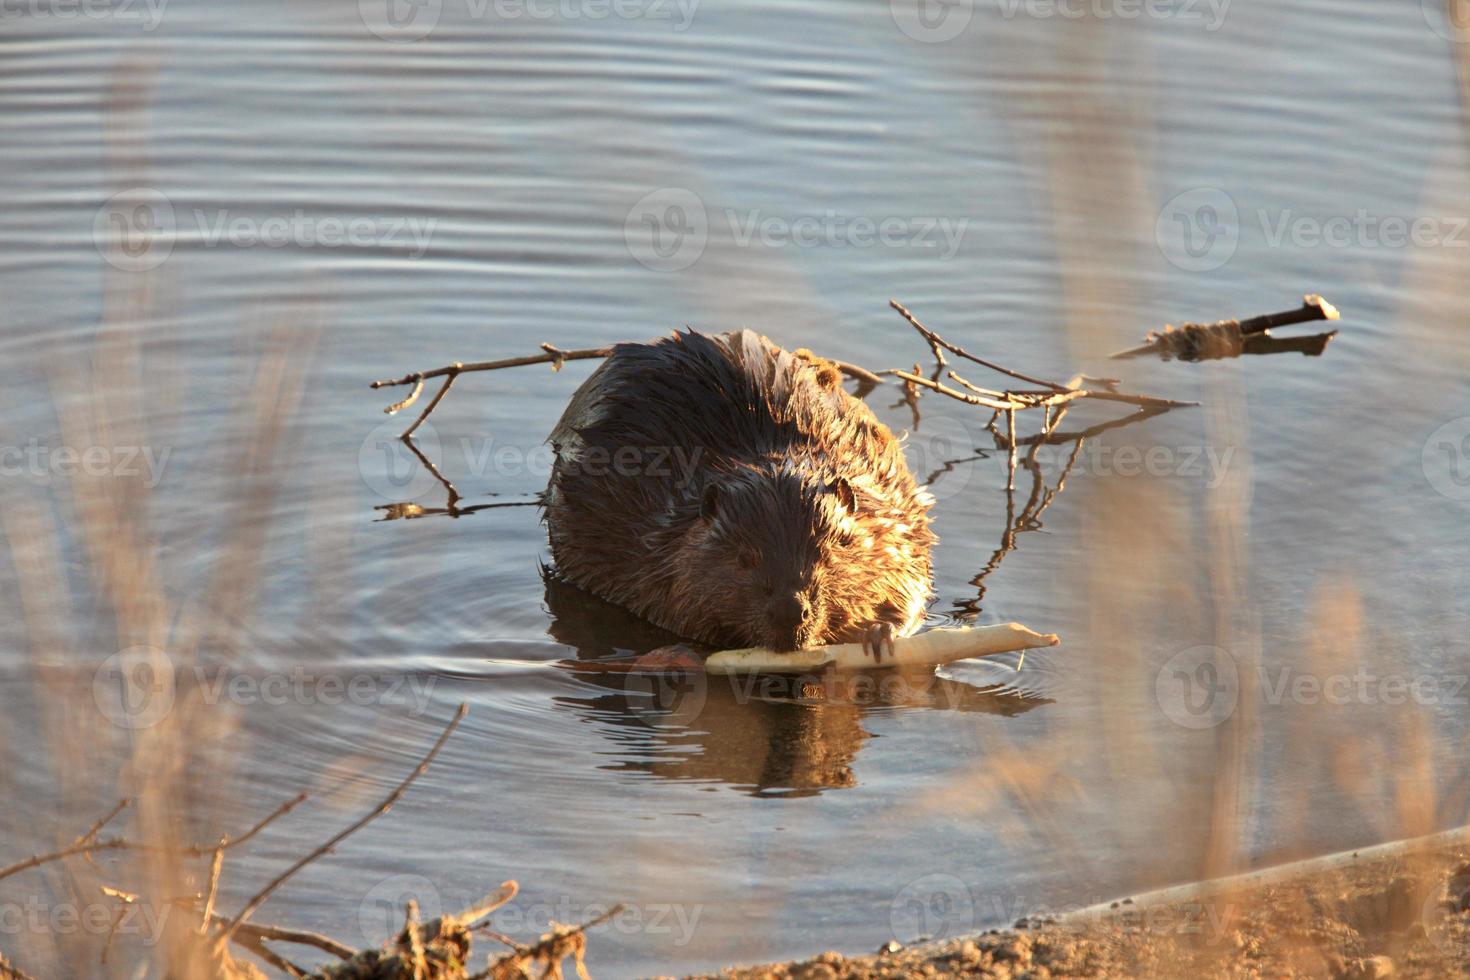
pixel 768 735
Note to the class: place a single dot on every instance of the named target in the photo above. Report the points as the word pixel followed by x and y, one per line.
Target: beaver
pixel 732 493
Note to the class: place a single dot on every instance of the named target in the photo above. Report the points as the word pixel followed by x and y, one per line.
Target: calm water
pixel 468 181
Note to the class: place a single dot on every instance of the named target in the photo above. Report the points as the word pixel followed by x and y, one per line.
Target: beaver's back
pixel 736 395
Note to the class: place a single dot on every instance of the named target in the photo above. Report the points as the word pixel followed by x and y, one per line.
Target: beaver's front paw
pixel 879 638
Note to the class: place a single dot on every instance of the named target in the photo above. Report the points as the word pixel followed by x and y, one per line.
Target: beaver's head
pixel 787 558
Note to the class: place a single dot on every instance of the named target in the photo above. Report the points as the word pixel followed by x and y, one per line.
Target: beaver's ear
pixel 709 501
pixel 844 492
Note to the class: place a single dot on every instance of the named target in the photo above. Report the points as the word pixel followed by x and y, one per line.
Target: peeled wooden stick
pixel 930 649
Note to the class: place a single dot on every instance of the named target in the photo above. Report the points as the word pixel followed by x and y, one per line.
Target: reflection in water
pixel 408 509
pixel 767 735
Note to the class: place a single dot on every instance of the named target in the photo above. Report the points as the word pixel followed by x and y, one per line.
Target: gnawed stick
pixel 929 649
pixel 1225 338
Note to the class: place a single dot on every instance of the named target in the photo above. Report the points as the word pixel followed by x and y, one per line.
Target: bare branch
pixel 336 839
pixel 935 340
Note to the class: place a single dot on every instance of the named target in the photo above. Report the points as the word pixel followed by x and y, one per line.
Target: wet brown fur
pixel 754 503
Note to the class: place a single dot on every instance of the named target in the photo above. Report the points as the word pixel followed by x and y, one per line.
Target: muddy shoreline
pixel 1400 910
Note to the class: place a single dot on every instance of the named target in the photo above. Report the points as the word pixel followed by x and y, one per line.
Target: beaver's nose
pixel 787 613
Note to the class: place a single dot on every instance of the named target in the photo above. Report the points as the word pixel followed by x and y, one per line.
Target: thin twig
pixel 433 404
pixel 85 846
pixel 415 939
pixel 1011 432
pixel 554 356
pixel 934 339
pixel 270 818
pixel 299 937
pixel 379 810
pixel 91 835
pixel 215 866
pixel 271 957
pixel 556 945
pixel 107 844
pixel 923 382
pixel 551 355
